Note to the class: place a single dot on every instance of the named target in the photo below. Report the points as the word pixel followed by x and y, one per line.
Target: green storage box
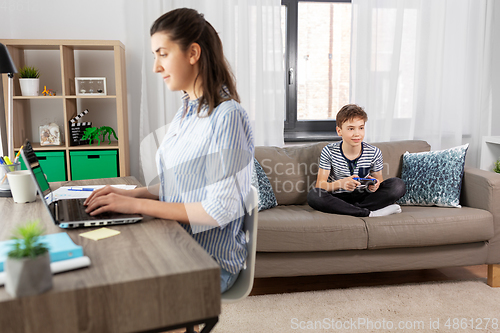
pixel 53 165
pixel 92 164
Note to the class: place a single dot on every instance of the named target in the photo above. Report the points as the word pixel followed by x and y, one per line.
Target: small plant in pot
pixel 27 268
pixel 29 80
pixel 497 166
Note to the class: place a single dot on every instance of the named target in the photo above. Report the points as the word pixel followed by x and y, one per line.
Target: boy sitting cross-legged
pixel 337 189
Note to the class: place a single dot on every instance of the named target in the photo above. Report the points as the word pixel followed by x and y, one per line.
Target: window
pixel 316 50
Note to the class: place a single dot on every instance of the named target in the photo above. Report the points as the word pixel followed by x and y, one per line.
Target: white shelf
pixel 490 152
pixel 63 60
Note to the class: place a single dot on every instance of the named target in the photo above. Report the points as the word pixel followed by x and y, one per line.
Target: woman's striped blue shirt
pixel 209 159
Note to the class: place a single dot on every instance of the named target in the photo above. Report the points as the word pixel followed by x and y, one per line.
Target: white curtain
pixel 250 31
pixel 421 69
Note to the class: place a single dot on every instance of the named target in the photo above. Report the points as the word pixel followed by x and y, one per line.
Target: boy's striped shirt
pixel 333 159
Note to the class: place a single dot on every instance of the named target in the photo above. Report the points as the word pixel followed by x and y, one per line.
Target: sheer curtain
pixel 421 69
pixel 250 31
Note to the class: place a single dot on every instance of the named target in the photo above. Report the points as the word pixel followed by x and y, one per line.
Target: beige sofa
pixel 295 240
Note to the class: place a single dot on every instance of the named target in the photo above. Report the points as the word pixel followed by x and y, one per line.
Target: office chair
pixel 244 283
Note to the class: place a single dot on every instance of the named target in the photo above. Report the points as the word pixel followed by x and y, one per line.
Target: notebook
pixel 61 247
pixel 68 213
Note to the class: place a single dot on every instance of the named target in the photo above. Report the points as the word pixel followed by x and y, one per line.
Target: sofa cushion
pixel 292 171
pixel 392 153
pixel 429 226
pixel 299 228
pixel 434 178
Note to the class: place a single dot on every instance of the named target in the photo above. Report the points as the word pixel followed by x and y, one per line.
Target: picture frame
pixel 90 86
pixel 50 135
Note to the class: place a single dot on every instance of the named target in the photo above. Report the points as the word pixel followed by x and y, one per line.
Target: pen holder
pixel 4 170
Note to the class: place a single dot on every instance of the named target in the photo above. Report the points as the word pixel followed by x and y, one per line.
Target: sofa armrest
pixel 481 189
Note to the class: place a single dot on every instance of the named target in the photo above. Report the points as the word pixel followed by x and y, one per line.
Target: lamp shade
pixel 6 63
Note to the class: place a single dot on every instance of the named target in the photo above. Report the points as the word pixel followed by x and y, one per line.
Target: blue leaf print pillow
pixel 267 199
pixel 433 178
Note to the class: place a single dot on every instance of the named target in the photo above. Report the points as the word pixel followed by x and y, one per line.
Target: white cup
pixel 22 186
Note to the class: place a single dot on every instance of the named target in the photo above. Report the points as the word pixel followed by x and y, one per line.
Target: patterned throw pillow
pixel 433 178
pixel 267 199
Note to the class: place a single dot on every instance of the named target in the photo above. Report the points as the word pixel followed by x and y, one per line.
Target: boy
pixel 337 189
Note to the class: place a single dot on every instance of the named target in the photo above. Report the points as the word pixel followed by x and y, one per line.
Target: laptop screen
pixel 63 215
pixel 33 165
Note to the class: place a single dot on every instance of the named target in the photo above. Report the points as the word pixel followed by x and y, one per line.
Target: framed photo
pixel 50 135
pixel 90 86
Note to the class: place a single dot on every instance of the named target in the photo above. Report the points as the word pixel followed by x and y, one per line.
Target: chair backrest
pixel 244 283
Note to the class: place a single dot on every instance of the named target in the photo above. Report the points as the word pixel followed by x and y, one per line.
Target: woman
pixel 205 159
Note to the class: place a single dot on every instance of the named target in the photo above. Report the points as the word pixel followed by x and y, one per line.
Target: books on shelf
pixel 61 247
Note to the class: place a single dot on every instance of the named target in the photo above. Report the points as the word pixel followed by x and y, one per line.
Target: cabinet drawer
pixel 91 164
pixel 53 165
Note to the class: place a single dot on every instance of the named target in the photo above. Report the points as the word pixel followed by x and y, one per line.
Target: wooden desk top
pixel 152 275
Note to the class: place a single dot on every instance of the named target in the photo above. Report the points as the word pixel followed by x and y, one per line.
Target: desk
pixel 152 277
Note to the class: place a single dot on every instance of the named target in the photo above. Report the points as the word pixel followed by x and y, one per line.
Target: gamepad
pixel 366 181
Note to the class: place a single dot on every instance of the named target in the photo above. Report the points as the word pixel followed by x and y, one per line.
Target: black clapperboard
pixel 77 129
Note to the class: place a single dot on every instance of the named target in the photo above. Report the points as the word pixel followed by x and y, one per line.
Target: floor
pixel 265 286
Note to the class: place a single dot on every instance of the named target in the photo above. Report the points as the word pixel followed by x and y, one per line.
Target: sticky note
pixel 100 234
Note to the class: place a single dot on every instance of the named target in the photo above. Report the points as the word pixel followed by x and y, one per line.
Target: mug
pixel 22 186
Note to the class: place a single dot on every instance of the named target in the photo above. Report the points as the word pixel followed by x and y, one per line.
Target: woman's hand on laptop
pixel 111 199
pixel 106 190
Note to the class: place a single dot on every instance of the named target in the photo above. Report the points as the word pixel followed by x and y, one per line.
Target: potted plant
pixel 27 268
pixel 497 166
pixel 29 81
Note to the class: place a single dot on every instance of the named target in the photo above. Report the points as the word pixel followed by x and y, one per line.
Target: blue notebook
pixel 61 247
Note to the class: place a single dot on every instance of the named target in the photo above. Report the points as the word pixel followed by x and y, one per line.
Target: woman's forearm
pixel 188 213
pixel 148 192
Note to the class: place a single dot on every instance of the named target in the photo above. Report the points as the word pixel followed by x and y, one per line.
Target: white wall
pixel 89 19
pixel 92 19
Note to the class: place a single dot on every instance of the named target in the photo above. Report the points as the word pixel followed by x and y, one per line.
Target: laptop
pixel 68 213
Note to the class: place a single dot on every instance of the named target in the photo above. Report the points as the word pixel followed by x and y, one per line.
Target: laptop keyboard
pixel 76 211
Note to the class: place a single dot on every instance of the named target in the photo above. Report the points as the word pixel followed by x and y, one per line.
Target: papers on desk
pixel 82 192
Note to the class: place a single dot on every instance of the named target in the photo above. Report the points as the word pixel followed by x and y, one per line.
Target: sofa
pixel 295 240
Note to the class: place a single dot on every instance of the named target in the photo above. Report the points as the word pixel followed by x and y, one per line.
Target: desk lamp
pixel 7 66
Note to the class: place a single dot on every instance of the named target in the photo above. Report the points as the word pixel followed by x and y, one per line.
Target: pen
pixel 2 162
pixel 80 189
pixel 17 155
pixel 4 177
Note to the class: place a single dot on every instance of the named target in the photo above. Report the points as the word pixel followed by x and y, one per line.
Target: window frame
pixel 304 130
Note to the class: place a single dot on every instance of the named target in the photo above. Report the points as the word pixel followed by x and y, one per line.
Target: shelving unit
pixel 490 152
pixel 64 85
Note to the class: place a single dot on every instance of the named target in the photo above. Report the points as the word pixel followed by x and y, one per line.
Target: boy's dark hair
pixel 186 26
pixel 349 112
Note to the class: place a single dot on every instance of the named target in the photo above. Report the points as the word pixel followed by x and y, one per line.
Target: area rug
pixel 455 306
